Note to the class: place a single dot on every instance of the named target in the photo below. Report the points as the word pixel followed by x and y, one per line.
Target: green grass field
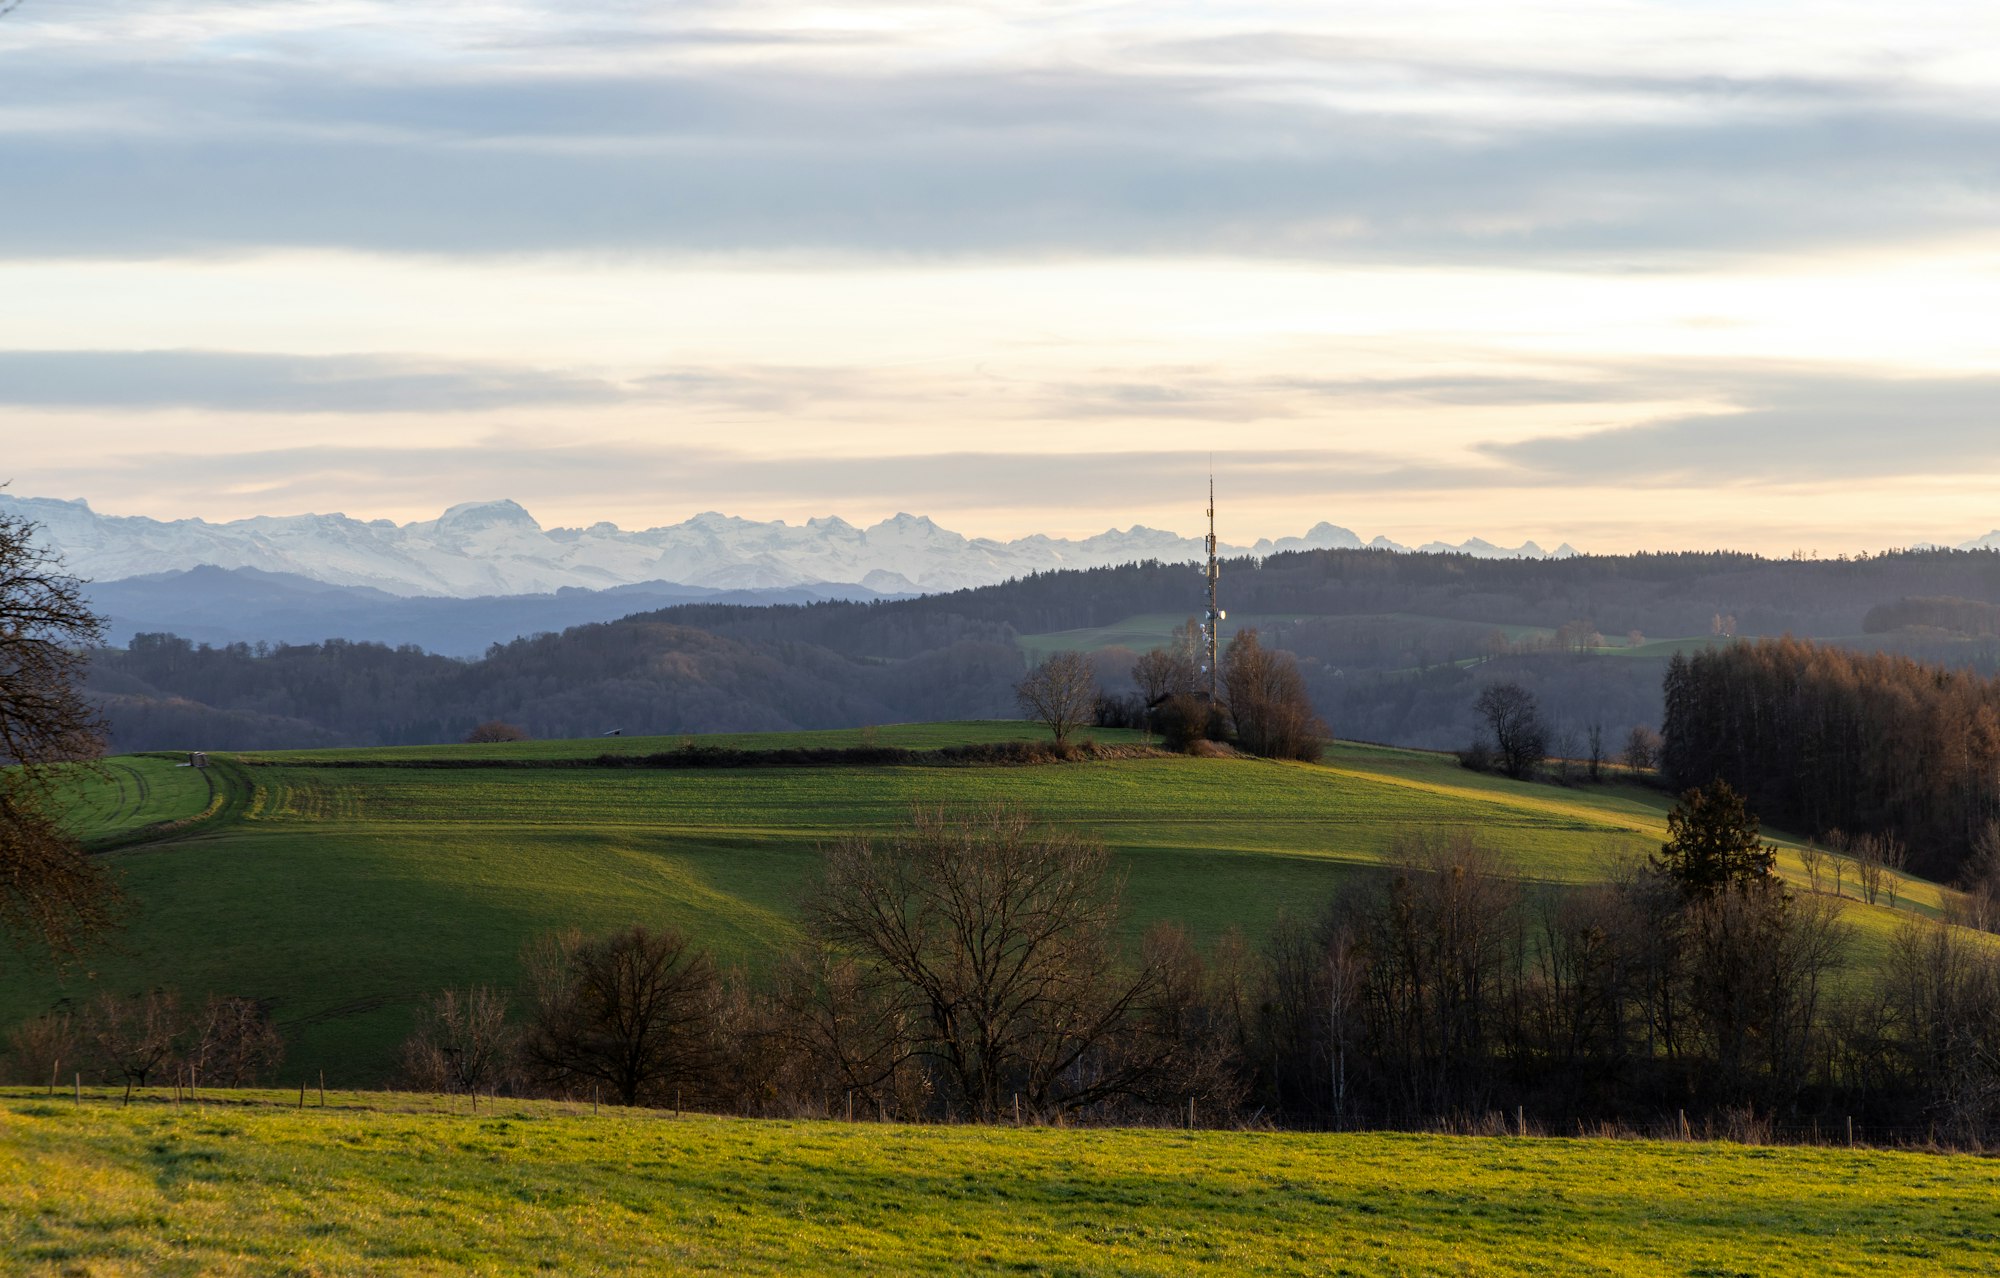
pixel 373 1184
pixel 345 894
pixel 126 796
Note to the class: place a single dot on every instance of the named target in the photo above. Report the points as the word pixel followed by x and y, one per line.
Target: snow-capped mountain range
pixel 497 548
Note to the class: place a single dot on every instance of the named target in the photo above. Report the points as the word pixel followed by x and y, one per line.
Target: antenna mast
pixel 1215 614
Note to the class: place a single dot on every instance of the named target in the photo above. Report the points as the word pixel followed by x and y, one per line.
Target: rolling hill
pixel 1392 647
pixel 342 885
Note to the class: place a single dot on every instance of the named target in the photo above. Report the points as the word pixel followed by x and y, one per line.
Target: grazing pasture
pixel 344 894
pixel 381 1184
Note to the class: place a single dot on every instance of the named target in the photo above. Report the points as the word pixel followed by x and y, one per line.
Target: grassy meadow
pixel 343 894
pixel 380 1184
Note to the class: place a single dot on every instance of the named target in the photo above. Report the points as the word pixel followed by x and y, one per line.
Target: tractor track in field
pixel 219 805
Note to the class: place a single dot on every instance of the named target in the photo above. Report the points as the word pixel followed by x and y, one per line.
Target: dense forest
pixel 635 676
pixel 1825 739
pixel 1392 647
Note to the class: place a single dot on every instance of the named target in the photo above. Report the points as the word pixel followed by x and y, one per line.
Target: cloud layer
pixel 265 126
pixel 1583 272
pixel 1807 427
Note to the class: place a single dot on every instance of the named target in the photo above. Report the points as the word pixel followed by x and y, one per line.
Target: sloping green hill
pixel 343 885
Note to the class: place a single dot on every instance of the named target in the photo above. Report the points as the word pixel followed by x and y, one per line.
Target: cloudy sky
pixel 1627 274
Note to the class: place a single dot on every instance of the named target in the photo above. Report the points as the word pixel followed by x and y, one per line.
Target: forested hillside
pixel 632 676
pixel 1825 740
pixel 1393 647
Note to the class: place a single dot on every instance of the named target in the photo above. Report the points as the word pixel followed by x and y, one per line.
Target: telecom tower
pixel 1211 628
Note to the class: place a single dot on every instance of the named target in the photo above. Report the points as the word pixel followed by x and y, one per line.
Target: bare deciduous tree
pixel 495 730
pixel 462 1042
pixel 39 1048
pixel 1878 862
pixel 1813 859
pixel 1981 880
pixel 1060 693
pixel 635 1011
pixel 1943 996
pixel 994 938
pixel 49 892
pixel 134 1038
pixel 1515 720
pixel 1267 701
pixel 1579 635
pixel 1194 1019
pixel 1163 673
pixel 1642 749
pixel 845 1028
pixel 1757 964
pixel 233 1042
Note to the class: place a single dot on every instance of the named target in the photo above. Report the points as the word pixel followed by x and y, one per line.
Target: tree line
pixel 1828 740
pixel 640 677
pixel 149 1039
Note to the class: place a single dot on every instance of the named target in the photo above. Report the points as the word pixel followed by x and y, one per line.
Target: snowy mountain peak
pixel 483 514
pixel 498 548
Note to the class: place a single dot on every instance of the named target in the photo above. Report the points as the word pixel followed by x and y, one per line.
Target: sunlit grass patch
pixel 391 1184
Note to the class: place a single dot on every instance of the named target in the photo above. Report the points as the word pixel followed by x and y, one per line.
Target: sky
pixel 1630 275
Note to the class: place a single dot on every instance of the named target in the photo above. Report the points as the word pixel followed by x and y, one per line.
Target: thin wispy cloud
pixel 1810 427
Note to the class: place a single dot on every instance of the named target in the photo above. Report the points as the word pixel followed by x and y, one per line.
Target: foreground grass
pixel 373 1185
